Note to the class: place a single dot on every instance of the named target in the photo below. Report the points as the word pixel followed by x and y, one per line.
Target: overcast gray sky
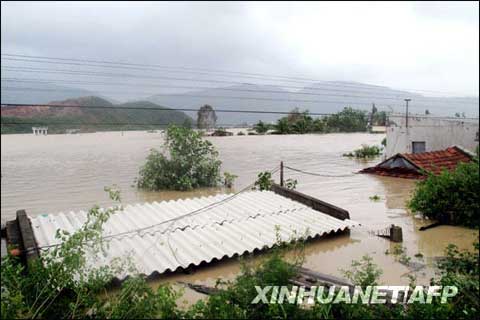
pixel 430 46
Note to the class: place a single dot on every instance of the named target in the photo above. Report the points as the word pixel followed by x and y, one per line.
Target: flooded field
pixel 50 174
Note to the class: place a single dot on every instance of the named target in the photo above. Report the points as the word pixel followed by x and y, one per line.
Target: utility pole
pixel 406 113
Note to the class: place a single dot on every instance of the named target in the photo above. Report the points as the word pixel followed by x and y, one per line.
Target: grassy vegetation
pixel 365 151
pixel 450 197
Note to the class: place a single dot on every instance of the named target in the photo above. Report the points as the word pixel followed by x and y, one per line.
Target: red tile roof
pixel 434 162
pixel 394 172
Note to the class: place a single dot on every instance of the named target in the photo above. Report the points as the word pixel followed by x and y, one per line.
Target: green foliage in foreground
pixel 365 151
pixel 189 162
pixel 60 284
pixel 451 197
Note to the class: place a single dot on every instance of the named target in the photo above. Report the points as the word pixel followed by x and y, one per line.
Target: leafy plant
pixel 375 198
pixel 450 197
pixel 291 184
pixel 228 179
pixel 347 120
pixel 60 283
pixel 364 272
pixel 264 181
pixel 365 151
pixel 261 127
pixel 190 162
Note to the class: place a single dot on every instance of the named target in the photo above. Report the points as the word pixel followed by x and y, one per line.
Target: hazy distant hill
pixel 41 93
pixel 325 97
pixel 322 97
pixel 59 119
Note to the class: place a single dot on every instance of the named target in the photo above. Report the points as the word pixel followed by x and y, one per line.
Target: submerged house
pixel 173 235
pixel 424 133
pixel 416 165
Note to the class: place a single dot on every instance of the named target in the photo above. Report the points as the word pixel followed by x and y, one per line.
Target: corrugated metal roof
pixel 238 225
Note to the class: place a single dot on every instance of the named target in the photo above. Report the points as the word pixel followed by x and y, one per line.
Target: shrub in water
pixel 189 162
pixel 450 196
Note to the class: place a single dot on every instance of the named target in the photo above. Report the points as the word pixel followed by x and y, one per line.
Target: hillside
pixel 58 119
pixel 29 93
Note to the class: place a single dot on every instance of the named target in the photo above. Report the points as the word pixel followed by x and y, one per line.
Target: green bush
pixel 190 162
pixel 261 127
pixel 347 120
pixel 300 122
pixel 450 197
pixel 59 284
pixel 365 152
pixel 264 181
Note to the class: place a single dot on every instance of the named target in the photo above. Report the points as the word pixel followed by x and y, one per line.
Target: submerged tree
pixel 189 162
pixel 206 117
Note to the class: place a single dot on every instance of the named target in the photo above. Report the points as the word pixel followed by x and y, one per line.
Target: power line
pixel 90 124
pixel 160 66
pixel 208 96
pixel 3 105
pixel 318 174
pixel 103 74
pixel 124 75
pixel 203 69
pixel 371 97
pixel 189 214
pixel 175 71
pixel 151 108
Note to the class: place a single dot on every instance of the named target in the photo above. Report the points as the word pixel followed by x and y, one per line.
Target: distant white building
pixel 429 133
pixel 40 130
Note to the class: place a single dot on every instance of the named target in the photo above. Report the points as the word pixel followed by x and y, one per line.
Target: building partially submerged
pixel 174 235
pixel 424 133
pixel 416 165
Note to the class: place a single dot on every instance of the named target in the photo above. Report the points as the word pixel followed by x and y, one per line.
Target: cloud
pixel 432 46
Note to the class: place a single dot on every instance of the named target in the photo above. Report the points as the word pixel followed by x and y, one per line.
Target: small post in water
pixel 396 233
pixel 281 173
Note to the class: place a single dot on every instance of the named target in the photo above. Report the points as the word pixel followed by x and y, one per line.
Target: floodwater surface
pixel 54 173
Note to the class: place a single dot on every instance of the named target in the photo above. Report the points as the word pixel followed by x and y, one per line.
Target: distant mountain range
pixel 324 97
pixel 59 119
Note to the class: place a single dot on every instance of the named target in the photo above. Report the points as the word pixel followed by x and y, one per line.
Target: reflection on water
pixel 49 174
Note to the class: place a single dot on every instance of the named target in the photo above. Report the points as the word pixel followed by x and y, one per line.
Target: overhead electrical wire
pixel 371 97
pixel 100 62
pixel 186 215
pixel 217 96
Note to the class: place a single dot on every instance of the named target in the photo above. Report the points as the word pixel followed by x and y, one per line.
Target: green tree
pixel 450 196
pixel 347 120
pixel 206 117
pixel 261 127
pixel 282 126
pixel 189 162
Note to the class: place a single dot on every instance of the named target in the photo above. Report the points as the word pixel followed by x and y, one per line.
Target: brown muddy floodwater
pixel 54 173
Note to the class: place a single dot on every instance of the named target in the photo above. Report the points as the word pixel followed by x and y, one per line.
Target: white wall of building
pixel 438 133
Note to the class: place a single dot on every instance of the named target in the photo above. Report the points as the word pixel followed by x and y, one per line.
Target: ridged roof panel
pixel 230 226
